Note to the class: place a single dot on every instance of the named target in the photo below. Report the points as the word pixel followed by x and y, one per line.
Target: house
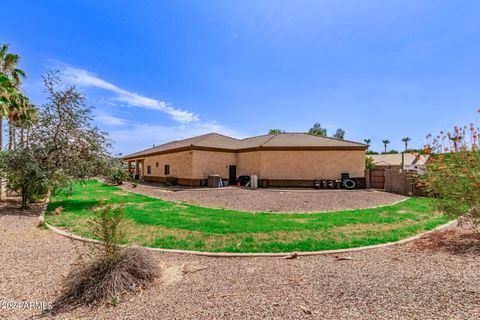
pixel 285 159
pixel 411 162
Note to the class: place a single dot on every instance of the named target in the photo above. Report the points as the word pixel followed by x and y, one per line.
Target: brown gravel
pixel 269 200
pixel 412 281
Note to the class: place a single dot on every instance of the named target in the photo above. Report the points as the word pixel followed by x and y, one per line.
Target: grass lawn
pixel 156 223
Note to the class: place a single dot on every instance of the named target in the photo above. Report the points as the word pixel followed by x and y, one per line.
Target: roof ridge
pixel 273 136
pixel 336 139
pixel 202 137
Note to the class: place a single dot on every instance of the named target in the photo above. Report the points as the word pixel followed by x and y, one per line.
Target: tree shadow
pixel 11 207
pixel 454 241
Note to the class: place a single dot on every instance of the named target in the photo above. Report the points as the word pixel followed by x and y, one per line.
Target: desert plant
pixel 452 177
pixel 113 271
pixel 106 226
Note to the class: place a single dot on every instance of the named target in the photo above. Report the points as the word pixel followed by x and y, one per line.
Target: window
pixel 149 169
pixel 167 170
pixel 156 164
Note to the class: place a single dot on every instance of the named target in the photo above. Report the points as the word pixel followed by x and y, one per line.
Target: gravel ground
pixel 420 280
pixel 270 200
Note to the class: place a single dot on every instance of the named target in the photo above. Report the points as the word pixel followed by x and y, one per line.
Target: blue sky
pixel 162 70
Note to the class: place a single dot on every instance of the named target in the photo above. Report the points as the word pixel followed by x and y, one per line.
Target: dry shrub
pixel 112 272
pixel 105 280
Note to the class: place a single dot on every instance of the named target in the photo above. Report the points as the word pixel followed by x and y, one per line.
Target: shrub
pixel 106 226
pixel 118 174
pixel 113 271
pixel 453 176
pixel 24 175
pixel 134 184
pixel 369 164
pixel 171 180
pixel 104 280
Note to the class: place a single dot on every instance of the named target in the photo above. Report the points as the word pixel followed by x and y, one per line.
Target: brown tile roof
pixel 270 141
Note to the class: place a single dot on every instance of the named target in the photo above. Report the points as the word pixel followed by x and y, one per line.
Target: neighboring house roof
pixel 272 141
pixel 396 159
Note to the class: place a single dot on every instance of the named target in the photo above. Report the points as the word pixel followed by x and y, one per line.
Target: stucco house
pixel 286 159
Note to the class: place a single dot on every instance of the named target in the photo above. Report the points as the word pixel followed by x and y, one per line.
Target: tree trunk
pixel 24 199
pixel 27 140
pixel 22 137
pixel 1 132
pixel 1 148
pixel 11 137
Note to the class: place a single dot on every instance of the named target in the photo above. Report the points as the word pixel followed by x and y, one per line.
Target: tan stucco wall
pixel 212 162
pixel 249 163
pixel 310 165
pixel 180 164
pixel 281 165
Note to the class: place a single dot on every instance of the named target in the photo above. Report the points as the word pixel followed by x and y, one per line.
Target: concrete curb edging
pixel 259 254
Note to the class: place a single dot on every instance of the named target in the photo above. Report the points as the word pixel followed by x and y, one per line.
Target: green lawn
pixel 157 223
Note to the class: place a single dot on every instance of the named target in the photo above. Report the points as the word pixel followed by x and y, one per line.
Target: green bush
pixel 369 164
pixel 24 175
pixel 171 180
pixel 118 174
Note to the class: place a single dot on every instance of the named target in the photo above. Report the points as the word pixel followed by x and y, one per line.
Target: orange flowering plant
pixel 452 177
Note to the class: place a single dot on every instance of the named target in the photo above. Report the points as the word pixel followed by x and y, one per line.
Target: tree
pixel 385 144
pixel 369 163
pixel 275 131
pixel 367 142
pixel 8 68
pixel 406 140
pixel 339 134
pixel 24 174
pixel 63 146
pixel 18 112
pixel 318 130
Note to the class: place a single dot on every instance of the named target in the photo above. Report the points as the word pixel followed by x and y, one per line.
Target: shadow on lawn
pixel 72 204
pixel 455 241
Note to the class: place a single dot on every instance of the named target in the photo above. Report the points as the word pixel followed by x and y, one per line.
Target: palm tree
pixel 367 142
pixel 20 114
pixel 385 144
pixel 8 63
pixel 406 140
pixel 26 119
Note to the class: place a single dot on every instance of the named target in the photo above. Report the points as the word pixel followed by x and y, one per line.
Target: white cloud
pixel 130 136
pixel 142 136
pixel 109 120
pixel 83 78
